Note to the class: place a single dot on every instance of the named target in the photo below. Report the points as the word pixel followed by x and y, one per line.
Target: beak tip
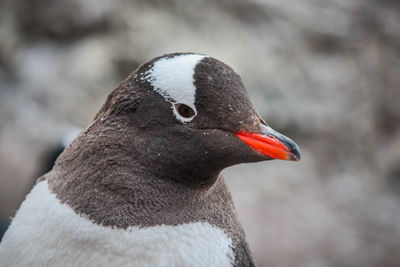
pixel 295 157
pixel 295 153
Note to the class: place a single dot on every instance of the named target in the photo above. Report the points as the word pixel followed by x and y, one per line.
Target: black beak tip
pixel 295 157
pixel 295 151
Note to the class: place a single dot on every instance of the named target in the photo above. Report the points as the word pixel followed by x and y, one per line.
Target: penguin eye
pixel 184 110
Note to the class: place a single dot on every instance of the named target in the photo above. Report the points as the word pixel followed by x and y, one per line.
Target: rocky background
pixel 326 73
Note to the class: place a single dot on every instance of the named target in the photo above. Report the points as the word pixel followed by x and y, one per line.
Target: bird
pixel 142 184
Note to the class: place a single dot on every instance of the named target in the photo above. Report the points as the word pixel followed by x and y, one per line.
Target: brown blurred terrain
pixel 326 73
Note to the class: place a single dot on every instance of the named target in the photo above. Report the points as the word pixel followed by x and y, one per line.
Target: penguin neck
pixel 127 195
pixel 101 170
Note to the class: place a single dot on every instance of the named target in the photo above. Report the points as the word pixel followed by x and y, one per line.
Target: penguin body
pixel 141 186
pixel 57 236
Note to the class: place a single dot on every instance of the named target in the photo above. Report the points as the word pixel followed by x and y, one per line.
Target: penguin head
pixel 186 117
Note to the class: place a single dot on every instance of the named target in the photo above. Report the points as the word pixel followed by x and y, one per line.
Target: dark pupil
pixel 185 111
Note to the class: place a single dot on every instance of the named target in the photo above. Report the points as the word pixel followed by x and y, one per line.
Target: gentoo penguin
pixel 141 186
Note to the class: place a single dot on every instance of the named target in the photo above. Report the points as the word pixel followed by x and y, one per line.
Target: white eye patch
pixel 173 79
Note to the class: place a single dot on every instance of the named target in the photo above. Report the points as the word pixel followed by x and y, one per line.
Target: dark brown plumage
pixel 136 165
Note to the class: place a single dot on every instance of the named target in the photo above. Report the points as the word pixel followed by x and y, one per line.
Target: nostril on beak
pixel 262 120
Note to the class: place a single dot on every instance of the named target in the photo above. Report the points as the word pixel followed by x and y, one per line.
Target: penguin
pixel 141 185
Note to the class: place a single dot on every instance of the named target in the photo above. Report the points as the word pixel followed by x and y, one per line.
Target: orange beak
pixel 271 144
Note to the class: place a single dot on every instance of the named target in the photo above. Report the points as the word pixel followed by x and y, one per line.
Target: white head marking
pixel 173 79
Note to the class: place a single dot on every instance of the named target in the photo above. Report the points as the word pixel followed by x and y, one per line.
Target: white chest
pixel 45 232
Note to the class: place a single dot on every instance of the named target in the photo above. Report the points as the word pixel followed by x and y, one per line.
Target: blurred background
pixel 325 73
